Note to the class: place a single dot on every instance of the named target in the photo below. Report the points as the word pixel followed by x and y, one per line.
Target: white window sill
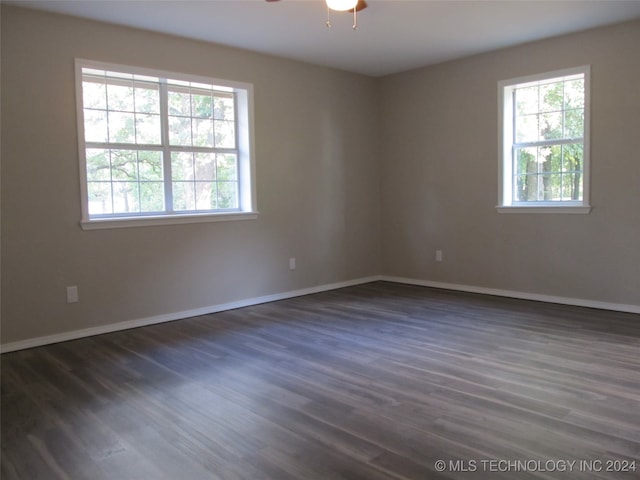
pixel 151 221
pixel 571 209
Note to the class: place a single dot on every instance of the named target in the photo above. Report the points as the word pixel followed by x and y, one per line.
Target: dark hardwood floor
pixel 378 381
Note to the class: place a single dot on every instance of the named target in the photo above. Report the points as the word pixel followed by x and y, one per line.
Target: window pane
pixel 121 127
pixel 527 128
pixel 223 108
pixel 227 168
pixel 205 166
pixel 98 166
pixel 547 173
pixel 150 166
pixel 534 187
pixel 151 196
pixel 180 131
pixel 572 186
pixel 574 123
pixel 182 166
pixel 527 188
pixel 120 97
pixel 179 103
pixel 520 188
pixel 574 94
pixel 94 94
pixel 527 160
pixel 95 126
pixel 572 155
pixel 183 196
pixel 551 97
pixel 126 197
pixel 225 134
pixel 227 195
pixel 526 100
pixel 550 158
pixel 124 165
pixel 147 99
pixel 550 187
pixel 99 194
pixel 202 106
pixel 551 126
pixel 202 132
pixel 148 129
pixel 527 168
pixel 206 195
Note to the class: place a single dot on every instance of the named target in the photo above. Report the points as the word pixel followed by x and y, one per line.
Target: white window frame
pixel 245 140
pixel 506 143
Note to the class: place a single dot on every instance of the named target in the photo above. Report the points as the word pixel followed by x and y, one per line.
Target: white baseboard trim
pixel 141 322
pixel 578 302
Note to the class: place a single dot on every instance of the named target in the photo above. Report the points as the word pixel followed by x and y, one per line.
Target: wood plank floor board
pixel 375 382
pixel 24 461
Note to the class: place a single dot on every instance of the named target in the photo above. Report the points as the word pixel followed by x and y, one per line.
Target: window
pixel 544 142
pixel 158 147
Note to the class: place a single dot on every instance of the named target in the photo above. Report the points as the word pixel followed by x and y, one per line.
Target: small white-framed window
pixel 544 142
pixel 158 147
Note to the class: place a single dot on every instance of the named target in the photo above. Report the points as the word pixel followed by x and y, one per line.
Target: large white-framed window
pixel 159 147
pixel 544 142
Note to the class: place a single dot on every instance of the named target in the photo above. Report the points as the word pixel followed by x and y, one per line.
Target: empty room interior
pixel 381 240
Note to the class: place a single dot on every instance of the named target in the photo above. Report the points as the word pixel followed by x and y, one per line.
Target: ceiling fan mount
pixel 342 6
pixel 360 5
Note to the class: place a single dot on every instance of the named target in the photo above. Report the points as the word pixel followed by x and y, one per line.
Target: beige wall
pixel 355 177
pixel 440 180
pixel 317 185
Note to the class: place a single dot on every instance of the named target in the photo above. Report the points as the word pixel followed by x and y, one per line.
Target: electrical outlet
pixel 438 255
pixel 72 294
pixel 292 263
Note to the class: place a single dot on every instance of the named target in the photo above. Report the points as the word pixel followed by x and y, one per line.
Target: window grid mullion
pixel 560 171
pixel 124 146
pixel 236 141
pixel 548 143
pixel 514 162
pixel 113 205
pixel 166 150
pixel 538 166
pixel 188 149
pixel 138 180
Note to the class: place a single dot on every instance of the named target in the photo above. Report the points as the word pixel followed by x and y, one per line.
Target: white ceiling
pixel 392 35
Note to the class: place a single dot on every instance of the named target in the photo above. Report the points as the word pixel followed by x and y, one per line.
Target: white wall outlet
pixel 438 255
pixel 292 263
pixel 72 294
